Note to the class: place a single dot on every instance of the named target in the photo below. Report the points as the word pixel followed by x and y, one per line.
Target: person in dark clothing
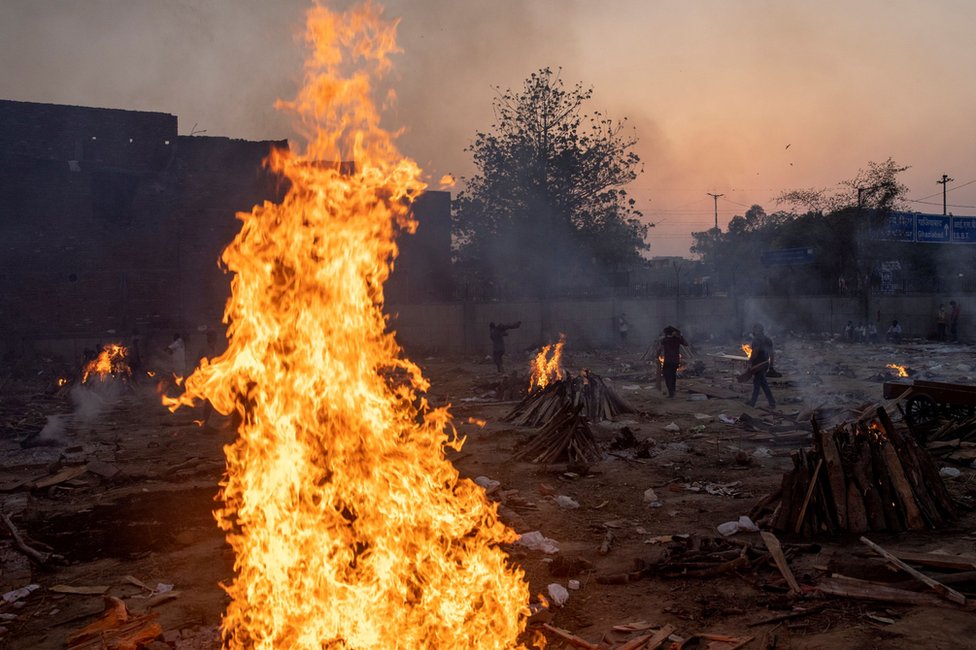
pixel 498 333
pixel 760 361
pixel 953 321
pixel 669 348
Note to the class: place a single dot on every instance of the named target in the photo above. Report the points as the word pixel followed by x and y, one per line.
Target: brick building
pixel 110 222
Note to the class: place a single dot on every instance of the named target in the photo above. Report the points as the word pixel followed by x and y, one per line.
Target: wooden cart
pixel 926 403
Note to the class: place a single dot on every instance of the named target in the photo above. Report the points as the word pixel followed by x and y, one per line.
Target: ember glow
pixel 350 528
pixel 901 371
pixel 547 365
pixel 110 362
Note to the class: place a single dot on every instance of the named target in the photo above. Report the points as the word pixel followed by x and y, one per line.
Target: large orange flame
pixel 110 362
pixel 350 527
pixel 747 349
pixel 547 365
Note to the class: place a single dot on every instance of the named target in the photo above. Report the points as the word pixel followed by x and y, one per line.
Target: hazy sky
pixel 716 89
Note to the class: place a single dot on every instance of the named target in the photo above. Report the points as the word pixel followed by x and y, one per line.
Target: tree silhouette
pixel 548 203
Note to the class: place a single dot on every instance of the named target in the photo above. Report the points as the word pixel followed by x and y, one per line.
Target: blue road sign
pixel 963 230
pixel 932 228
pixel 787 256
pixel 899 226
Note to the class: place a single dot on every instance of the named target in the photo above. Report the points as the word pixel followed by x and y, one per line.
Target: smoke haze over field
pixel 746 98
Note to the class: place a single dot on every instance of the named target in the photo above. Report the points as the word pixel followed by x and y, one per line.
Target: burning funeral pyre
pixel 563 406
pixel 350 527
pixel 860 476
pixel 111 362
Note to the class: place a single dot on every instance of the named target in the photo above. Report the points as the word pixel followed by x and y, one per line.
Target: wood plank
pixel 649 641
pixel 936 586
pixel 853 588
pixel 773 545
pixel 835 474
pixel 937 560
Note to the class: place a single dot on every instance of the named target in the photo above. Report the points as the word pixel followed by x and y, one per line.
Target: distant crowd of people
pixel 946 327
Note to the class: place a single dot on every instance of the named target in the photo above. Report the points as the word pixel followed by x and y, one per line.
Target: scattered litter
pixel 490 485
pixel 673 427
pixel 16 594
pixel 715 489
pixel 704 417
pixel 949 472
pixel 558 594
pixel 761 452
pixel 744 524
pixel 573 584
pixel 536 541
pixel 727 419
pixel 630 387
pixel 566 503
pixel 698 397
pixel 651 499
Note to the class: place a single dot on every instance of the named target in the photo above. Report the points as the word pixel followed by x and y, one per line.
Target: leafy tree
pixel 549 199
pixel 876 188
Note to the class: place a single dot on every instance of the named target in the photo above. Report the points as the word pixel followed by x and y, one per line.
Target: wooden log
pixel 929 477
pixel 902 488
pixel 649 641
pixel 806 499
pixel 772 544
pixel 785 518
pixel 893 513
pixel 938 560
pixel 936 586
pixel 763 503
pixel 570 638
pixel 868 590
pixel 857 517
pixel 835 476
pixel 864 479
pixel 41 557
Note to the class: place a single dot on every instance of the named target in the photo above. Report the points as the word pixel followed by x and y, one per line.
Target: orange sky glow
pixel 716 89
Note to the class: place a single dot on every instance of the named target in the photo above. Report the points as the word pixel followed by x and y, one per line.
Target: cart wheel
pixel 921 412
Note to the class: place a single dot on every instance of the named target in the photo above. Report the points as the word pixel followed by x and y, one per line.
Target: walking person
pixel 760 361
pixel 498 333
pixel 940 323
pixel 669 348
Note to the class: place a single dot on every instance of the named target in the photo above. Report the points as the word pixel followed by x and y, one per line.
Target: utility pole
pixel 945 179
pixel 715 196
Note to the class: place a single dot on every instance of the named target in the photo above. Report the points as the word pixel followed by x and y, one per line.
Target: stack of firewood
pixel 566 437
pixel 591 392
pixel 861 476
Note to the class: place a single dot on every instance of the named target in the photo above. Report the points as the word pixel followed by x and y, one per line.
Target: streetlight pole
pixel 945 180
pixel 715 196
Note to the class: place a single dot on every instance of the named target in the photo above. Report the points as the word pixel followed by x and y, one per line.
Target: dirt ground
pixel 124 497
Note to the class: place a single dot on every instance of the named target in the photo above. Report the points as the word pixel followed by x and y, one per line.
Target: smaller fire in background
pixel 547 365
pixel 747 349
pixel 63 381
pixel 110 362
pixel 900 371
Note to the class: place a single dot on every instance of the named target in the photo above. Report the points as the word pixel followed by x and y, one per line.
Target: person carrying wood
pixel 498 333
pixel 669 348
pixel 760 361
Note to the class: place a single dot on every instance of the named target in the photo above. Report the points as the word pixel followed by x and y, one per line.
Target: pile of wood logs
pixel 591 392
pixel 860 476
pixel 566 437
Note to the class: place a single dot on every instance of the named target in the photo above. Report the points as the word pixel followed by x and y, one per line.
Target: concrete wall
pixel 463 327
